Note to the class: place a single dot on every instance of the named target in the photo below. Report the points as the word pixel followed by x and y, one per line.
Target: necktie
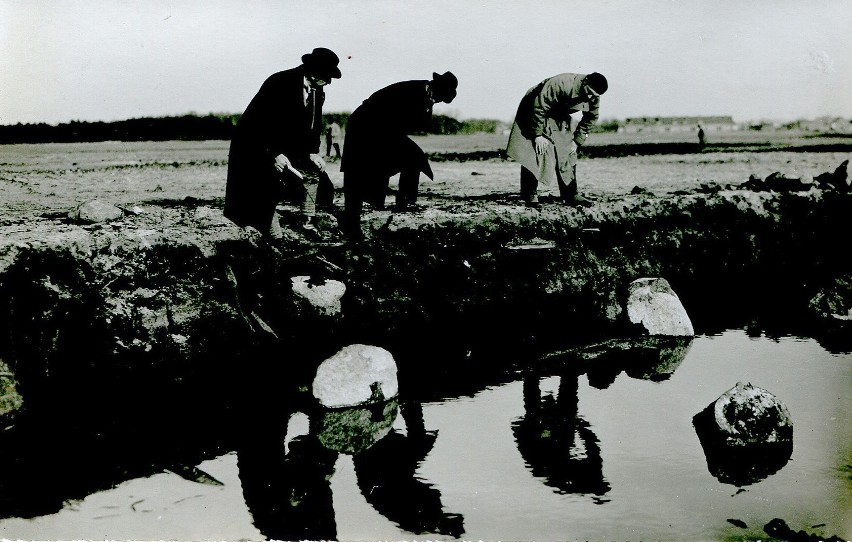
pixel 312 105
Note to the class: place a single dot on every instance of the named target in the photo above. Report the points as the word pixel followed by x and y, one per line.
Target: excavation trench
pixel 175 301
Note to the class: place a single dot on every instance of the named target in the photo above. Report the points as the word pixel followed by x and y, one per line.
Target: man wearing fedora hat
pixel 276 144
pixel 377 145
pixel 547 133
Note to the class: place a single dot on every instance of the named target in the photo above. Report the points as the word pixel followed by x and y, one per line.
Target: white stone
pixel 746 414
pixel 324 297
pixel 358 374
pixel 652 303
pixel 94 211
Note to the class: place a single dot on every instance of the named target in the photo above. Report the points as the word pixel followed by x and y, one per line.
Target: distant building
pixel 677 124
pixel 827 124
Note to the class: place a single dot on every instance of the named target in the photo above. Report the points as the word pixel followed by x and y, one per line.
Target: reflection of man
pixel 289 495
pixel 277 140
pixel 387 478
pixel 545 140
pixel 547 438
pixel 377 146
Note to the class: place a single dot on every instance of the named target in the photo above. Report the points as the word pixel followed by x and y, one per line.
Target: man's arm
pixel 588 120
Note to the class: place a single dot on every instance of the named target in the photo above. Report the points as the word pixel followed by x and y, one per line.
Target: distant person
pixel 377 145
pixel 702 137
pixel 545 135
pixel 276 143
pixel 332 139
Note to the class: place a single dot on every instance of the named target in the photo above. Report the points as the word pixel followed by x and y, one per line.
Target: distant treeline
pixel 189 128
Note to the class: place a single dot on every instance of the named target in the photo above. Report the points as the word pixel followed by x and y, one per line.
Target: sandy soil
pixel 49 179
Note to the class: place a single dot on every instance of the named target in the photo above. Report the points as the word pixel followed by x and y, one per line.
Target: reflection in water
pixel 644 358
pixel 556 443
pixel 659 358
pixel 288 491
pixel 738 465
pixel 353 430
pixel 387 479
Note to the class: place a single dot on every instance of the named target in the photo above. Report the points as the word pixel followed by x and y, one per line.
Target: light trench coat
pixel 559 109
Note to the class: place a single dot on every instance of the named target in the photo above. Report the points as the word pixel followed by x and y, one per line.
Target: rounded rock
pixel 358 374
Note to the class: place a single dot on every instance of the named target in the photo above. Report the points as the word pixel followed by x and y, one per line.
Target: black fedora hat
pixel 444 86
pixel 322 62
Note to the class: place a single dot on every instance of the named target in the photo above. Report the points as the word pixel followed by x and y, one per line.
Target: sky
pixel 63 60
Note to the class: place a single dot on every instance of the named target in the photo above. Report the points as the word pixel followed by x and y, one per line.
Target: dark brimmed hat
pixel 322 62
pixel 597 82
pixel 444 86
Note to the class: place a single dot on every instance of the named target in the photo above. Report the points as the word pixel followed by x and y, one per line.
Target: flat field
pixel 52 178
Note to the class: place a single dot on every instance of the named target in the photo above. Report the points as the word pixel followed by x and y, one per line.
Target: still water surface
pixel 543 457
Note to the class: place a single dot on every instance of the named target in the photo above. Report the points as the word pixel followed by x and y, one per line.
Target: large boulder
pixel 653 305
pixel 746 434
pixel 746 415
pixel 358 374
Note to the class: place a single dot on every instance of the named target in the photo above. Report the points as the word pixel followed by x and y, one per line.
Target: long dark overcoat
pixel 377 144
pixel 277 121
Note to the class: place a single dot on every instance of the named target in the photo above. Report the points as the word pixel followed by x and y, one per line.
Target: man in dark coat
pixel 546 135
pixel 276 143
pixel 377 145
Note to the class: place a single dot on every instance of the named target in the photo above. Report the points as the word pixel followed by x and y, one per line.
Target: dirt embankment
pixel 176 293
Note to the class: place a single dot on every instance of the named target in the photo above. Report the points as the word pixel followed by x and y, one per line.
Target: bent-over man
pixel 276 142
pixel 377 145
pixel 546 133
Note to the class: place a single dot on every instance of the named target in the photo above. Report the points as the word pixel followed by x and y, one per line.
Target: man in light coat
pixel 546 133
pixel 276 142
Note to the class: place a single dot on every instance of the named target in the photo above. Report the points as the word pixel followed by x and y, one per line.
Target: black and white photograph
pixel 426 270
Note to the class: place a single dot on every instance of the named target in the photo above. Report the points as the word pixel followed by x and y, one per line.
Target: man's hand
pixel 281 163
pixel 572 147
pixel 318 161
pixel 541 144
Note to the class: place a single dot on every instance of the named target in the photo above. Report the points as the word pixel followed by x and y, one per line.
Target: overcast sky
pixel 113 59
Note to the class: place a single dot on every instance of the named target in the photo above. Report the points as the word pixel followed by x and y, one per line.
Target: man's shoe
pixel 578 201
pixel 532 201
pixel 408 207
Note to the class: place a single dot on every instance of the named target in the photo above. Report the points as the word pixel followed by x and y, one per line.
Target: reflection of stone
pixel 653 358
pixel 746 434
pixel 653 304
pixel 358 374
pixel 355 429
pixel 661 356
pixel 323 297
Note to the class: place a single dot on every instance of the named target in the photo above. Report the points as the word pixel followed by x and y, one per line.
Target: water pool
pixel 546 457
